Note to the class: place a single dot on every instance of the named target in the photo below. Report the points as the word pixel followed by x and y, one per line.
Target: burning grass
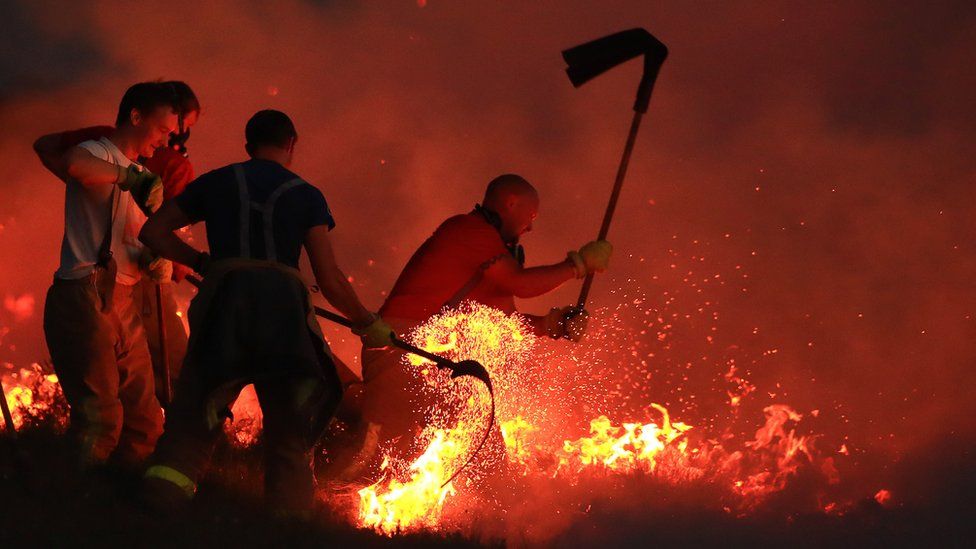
pixel 570 440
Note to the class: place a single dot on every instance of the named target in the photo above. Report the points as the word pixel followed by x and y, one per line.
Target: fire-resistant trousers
pixel 102 361
pixel 296 412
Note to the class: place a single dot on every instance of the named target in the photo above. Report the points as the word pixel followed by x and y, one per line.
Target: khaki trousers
pixel 102 361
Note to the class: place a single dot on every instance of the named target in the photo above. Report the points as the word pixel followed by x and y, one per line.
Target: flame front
pixel 395 506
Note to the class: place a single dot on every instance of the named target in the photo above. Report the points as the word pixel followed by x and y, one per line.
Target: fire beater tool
pixel 470 368
pixel 163 350
pixel 592 59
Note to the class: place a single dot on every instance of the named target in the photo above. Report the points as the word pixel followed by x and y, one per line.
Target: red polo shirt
pixel 443 264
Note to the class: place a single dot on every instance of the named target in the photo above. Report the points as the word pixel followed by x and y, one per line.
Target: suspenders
pixel 266 209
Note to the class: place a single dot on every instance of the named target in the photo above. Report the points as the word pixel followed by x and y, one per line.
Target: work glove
pixel 566 322
pixel 593 257
pixel 145 187
pixel 160 270
pixel 376 335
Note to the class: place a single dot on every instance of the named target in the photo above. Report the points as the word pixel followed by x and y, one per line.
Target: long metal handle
pixel 163 350
pixel 612 205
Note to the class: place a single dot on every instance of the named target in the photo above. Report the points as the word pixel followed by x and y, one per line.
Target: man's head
pixel 271 135
pixel 515 201
pixel 188 110
pixel 147 115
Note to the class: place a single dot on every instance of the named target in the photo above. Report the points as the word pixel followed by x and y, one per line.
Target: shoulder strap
pixel 266 210
pixel 105 248
pixel 244 213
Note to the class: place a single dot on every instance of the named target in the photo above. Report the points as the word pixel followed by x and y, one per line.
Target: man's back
pixel 442 266
pixel 280 208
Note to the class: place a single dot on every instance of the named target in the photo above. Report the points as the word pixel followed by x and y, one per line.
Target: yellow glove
pixel 593 257
pixel 145 187
pixel 158 269
pixel 376 335
pixel 161 270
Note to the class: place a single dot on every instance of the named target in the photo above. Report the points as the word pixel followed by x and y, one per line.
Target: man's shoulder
pixel 467 223
pixel 97 148
pixel 72 138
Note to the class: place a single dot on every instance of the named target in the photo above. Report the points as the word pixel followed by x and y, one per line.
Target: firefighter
pixel 474 256
pixel 91 321
pixel 252 321
pixel 173 166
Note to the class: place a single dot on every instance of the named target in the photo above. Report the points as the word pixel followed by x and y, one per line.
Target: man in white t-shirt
pixel 93 331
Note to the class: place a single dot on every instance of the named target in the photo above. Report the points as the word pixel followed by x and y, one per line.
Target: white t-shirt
pixel 86 215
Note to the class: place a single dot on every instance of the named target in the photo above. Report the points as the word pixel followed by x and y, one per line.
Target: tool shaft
pixel 612 204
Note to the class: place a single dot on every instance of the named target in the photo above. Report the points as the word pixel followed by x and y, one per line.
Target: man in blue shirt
pixel 252 321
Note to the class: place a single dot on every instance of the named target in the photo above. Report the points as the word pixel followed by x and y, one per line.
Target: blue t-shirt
pixel 214 198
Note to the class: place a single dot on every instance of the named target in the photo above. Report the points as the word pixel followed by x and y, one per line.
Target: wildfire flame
pixel 535 443
pixel 33 396
pixel 538 438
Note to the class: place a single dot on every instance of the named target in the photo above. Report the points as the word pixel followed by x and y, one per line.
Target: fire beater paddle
pixel 471 368
pixel 592 59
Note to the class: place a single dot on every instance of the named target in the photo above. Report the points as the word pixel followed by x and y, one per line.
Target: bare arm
pixel 523 282
pixel 158 234
pixel 90 171
pixel 51 153
pixel 331 280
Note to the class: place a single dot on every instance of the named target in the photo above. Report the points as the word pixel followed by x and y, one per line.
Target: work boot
pixel 162 497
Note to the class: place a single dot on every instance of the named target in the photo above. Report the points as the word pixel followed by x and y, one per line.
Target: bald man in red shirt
pixel 476 257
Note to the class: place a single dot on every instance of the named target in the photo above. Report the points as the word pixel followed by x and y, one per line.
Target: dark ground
pixel 47 504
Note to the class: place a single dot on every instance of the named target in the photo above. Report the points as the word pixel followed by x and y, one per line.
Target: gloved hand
pixel 376 335
pixel 566 322
pixel 159 270
pixel 576 322
pixel 145 187
pixel 593 257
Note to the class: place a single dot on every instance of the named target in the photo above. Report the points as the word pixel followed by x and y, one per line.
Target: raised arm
pixel 91 171
pixel 51 151
pixel 508 275
pixel 159 236
pixel 522 282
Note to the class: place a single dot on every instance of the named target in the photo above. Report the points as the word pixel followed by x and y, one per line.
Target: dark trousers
pixel 296 411
pixel 102 362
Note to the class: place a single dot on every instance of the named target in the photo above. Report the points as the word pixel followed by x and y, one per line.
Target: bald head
pixel 505 186
pixel 515 201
